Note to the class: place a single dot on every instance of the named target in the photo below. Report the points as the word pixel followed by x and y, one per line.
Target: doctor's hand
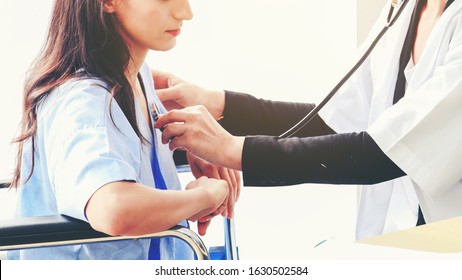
pixel 195 130
pixel 200 167
pixel 177 94
pixel 217 191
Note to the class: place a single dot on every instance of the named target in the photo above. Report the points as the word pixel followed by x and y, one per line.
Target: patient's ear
pixel 109 6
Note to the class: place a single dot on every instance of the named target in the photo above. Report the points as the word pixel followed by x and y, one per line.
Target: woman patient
pixel 87 146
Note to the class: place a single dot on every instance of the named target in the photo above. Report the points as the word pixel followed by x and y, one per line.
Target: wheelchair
pixel 59 230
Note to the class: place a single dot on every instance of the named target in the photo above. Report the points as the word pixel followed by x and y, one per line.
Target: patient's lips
pixel 174 32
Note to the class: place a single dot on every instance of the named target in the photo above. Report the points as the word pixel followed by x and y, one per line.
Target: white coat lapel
pixel 386 63
pixel 435 50
pixel 379 207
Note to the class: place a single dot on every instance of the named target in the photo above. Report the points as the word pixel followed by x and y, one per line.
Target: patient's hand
pixel 200 167
pixel 217 190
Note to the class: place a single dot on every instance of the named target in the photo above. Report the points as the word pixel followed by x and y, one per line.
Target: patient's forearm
pixel 127 208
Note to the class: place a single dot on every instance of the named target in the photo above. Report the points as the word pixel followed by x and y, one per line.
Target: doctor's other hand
pixel 195 130
pixel 217 191
pixel 200 167
pixel 176 93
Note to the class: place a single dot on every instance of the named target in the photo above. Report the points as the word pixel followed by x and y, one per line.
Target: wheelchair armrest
pixel 48 231
pixel 59 230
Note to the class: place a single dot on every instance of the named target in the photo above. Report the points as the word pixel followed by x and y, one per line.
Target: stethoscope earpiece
pixel 396 3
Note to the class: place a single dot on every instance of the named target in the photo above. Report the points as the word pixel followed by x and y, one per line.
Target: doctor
pixel 394 127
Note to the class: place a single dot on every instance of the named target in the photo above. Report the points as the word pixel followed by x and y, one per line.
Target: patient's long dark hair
pixel 80 36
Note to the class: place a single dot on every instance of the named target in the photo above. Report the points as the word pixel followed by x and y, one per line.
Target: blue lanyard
pixel 154 247
pixel 158 178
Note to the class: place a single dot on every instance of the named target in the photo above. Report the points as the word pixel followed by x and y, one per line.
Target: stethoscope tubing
pixel 305 120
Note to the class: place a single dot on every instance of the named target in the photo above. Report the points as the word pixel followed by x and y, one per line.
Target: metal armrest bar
pixel 59 230
pixel 49 231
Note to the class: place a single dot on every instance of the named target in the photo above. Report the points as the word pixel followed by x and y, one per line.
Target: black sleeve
pixel 246 115
pixel 351 158
pixel 179 157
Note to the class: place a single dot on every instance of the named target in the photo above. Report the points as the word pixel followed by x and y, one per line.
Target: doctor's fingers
pixel 169 132
pixel 197 132
pixel 234 181
pixel 174 116
pixel 161 78
pixel 165 89
pixel 202 227
pixel 228 175
pixel 200 167
pixel 208 214
pixel 172 98
pixel 174 135
pixel 166 80
pixel 204 223
pixel 171 105
pixel 219 211
pixel 182 95
pixel 236 177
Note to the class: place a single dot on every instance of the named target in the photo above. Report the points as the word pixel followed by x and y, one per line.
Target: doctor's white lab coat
pixel 422 133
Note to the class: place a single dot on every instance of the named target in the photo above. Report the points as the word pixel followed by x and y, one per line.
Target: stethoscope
pixel 400 4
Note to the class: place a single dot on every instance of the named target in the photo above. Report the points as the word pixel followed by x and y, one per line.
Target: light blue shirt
pixel 79 147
